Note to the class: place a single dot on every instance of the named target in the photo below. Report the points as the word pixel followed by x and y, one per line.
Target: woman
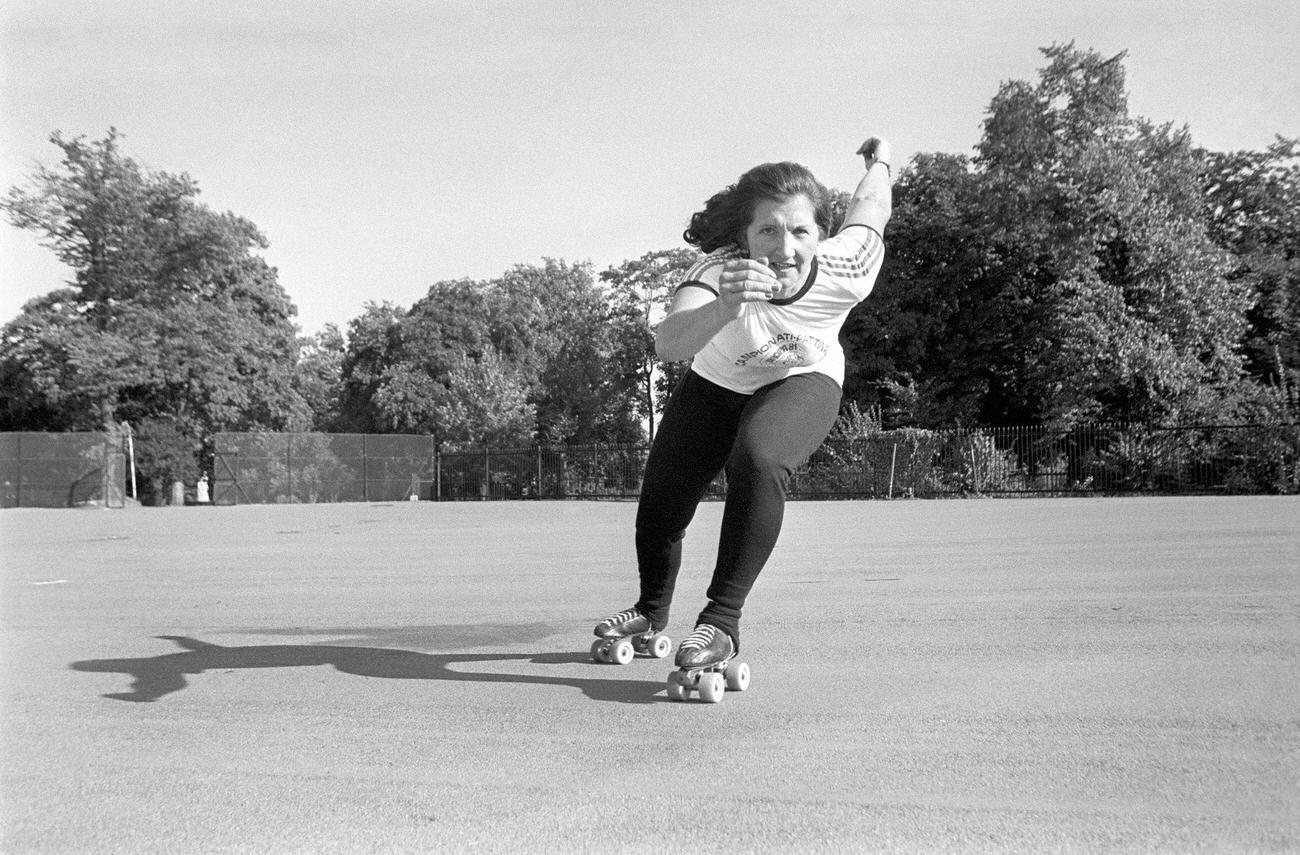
pixel 759 317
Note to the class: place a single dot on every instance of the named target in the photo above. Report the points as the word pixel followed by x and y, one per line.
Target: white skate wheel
pixel 661 646
pixel 622 653
pixel 677 690
pixel 712 687
pixel 598 650
pixel 738 676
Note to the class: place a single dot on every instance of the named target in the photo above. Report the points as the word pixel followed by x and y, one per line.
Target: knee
pixel 652 532
pixel 756 465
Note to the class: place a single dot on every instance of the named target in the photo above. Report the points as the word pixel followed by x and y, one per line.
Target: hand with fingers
pixel 746 280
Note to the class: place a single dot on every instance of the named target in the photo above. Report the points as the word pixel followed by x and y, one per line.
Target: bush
pixel 163 454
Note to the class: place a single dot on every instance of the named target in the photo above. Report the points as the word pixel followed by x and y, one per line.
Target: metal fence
pixel 78 469
pixel 62 470
pixel 266 468
pixel 1092 460
pixel 1099 460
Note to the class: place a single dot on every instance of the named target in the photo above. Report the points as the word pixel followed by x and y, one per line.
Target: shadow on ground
pixel 155 677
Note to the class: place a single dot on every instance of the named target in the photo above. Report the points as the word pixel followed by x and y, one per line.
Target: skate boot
pixel 706 663
pixel 621 636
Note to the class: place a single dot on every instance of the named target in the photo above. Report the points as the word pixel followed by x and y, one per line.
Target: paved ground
pixel 963 676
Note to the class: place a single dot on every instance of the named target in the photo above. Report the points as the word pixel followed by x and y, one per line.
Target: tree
pixel 568 339
pixel 1100 217
pixel 450 324
pixel 171 316
pixel 1067 276
pixel 374 344
pixel 548 331
pixel 644 288
pixel 927 340
pixel 318 376
pixel 484 404
pixel 1253 208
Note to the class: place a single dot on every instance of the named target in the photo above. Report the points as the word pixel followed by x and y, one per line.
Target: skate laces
pixel 701 638
pixel 622 617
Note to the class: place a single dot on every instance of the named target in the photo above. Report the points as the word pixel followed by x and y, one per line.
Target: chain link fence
pixel 269 468
pixel 1104 460
pixel 62 470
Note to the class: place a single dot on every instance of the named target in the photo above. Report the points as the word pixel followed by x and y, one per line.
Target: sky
pixel 384 146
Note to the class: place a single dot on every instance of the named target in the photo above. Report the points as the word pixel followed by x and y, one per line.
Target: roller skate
pixel 621 636
pixel 706 663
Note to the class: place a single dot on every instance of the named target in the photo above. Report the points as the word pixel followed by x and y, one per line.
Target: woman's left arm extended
pixel 872 201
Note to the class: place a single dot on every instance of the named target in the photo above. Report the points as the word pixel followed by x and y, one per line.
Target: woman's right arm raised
pixel 697 314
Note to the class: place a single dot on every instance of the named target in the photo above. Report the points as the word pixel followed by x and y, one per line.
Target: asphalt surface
pixel 1075 675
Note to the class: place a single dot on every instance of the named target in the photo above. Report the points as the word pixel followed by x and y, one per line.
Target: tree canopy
pixel 542 353
pixel 1067 273
pixel 171 315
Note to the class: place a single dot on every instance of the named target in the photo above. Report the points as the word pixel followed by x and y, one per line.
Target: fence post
pixel 106 473
pixel 974 470
pixel 365 471
pixel 288 462
pixel 130 449
pixel 437 474
pixel 487 474
pixel 893 458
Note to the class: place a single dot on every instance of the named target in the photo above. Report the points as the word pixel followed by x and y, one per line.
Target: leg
pixel 689 451
pixel 782 425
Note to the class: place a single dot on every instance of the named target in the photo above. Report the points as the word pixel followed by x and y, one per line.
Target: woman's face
pixel 785 232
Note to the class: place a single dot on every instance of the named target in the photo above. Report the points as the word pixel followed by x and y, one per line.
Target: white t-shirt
pixel 795 335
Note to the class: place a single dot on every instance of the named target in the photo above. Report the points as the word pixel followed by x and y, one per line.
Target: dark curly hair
pixel 728 214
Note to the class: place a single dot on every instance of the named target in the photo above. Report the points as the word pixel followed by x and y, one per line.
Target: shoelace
pixel 622 617
pixel 702 637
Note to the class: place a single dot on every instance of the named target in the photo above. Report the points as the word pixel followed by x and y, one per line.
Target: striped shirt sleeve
pixel 704 273
pixel 853 258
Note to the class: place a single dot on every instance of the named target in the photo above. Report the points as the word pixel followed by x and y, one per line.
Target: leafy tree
pixel 485 403
pixel 927 340
pixel 1064 275
pixel 57 369
pixel 171 315
pixel 478 402
pixel 566 338
pixel 1099 218
pixel 548 333
pixel 644 288
pixel 374 344
pixel 448 325
pixel 1253 208
pixel 319 373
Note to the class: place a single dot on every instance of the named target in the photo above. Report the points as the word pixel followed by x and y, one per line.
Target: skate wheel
pixel 738 676
pixel 661 646
pixel 712 687
pixel 598 650
pixel 622 653
pixel 677 690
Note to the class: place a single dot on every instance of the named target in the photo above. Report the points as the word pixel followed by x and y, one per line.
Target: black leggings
pixel 760 439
